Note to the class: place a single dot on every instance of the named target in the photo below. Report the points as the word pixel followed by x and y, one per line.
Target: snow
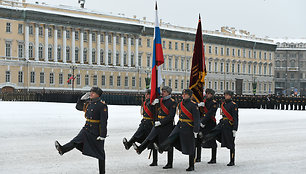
pixel 289 40
pixel 268 141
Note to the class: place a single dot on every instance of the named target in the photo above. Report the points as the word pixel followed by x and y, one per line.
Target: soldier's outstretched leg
pixel 199 150
pixel 191 163
pixel 232 157
pixel 154 162
pixel 142 147
pixel 169 164
pixel 65 148
pixel 213 156
pixel 101 166
pixel 127 144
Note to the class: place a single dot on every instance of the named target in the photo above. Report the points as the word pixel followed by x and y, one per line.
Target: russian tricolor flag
pixel 158 60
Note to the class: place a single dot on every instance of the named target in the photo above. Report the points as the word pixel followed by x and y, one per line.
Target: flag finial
pixel 199 17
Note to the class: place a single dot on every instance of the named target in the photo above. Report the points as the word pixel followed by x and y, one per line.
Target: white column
pixel 114 49
pixel 46 43
pixel 98 48
pixel 122 50
pixel 64 45
pixel 90 48
pixel 36 42
pixel 106 49
pixel 136 52
pixel 82 47
pixel 55 45
pixel 129 51
pixel 73 45
pixel 26 44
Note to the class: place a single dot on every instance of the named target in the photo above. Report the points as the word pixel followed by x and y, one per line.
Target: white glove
pixel 157 123
pixel 155 101
pixel 201 104
pixel 195 134
pixel 234 133
pixel 100 138
pixel 85 96
pixel 202 125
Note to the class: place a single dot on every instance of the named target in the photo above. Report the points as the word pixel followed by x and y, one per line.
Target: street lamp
pixel 73 67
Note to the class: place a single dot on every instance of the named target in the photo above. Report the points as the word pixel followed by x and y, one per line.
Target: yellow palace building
pixel 42 46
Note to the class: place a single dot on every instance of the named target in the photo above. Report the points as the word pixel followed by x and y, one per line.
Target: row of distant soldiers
pixel 196 128
pixel 268 101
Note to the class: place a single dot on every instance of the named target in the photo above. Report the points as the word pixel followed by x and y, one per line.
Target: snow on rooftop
pixel 289 40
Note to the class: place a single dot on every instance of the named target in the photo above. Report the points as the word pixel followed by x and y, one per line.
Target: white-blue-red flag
pixel 158 60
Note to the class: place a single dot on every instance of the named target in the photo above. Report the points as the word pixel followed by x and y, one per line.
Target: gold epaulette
pixel 234 103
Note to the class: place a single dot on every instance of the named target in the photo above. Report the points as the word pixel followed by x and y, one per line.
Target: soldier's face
pixel 93 95
pixel 164 93
pixel 227 97
pixel 147 96
pixel 208 95
pixel 185 96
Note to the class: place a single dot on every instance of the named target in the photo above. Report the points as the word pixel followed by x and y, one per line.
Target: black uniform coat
pixel 209 120
pixel 226 137
pixel 147 122
pixel 185 130
pixel 96 114
pixel 167 121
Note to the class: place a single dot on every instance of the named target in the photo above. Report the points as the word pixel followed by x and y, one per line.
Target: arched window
pixel 101 56
pixel 30 50
pixel 68 53
pixel 59 53
pixel 50 52
pixel 40 51
pixel 76 56
pixel 93 55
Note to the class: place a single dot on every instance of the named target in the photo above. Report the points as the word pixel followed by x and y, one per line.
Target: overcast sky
pixel 272 18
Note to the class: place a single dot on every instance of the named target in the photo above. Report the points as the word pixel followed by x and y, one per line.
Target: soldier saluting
pixel 90 140
pixel 148 112
pixel 163 126
pixel 225 131
pixel 187 128
pixel 208 122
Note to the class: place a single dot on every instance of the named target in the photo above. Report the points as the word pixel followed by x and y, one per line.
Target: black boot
pixel 58 148
pixel 170 159
pixel 101 166
pixel 232 157
pixel 127 144
pixel 199 150
pixel 142 147
pixel 191 163
pixel 213 156
pixel 154 162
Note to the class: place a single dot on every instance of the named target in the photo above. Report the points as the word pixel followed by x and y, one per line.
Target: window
pixel 221 85
pixel 227 51
pixel 254 54
pixel 59 53
pixel 227 68
pixel 101 56
pixel 209 49
pixel 216 66
pixel 226 86
pixel 95 80
pixel 31 31
pixel 42 78
pixel 233 86
pixel 20 77
pixel 20 28
pixel 260 55
pixel 133 81
pixel 216 85
pixel 148 42
pixel 8 49
pixel 238 52
pixel 270 56
pixel 86 80
pixel 93 55
pixel 270 70
pixel 125 58
pixel 8 27
pixel 233 52
pixel 233 68
pixel 76 35
pixel 59 34
pixel 182 46
pixel 188 64
pixel 238 68
pixel 187 47
pixel 216 50
pixel 265 56
pixel 132 60
pixel 76 56
pixel 170 62
pixel 139 60
pixel 68 53
pixel 60 79
pixel 244 54
pixel 182 64
pixel 250 54
pixel 222 51
pixel 139 42
pixel 85 54
pixel 51 78
pixel 169 83
pixel 259 69
pixel 102 38
pixel 118 81
pixel 139 82
pixel 126 81
pixel 254 69
pixel 109 38
pixel 30 50
pixel 176 46
pixel 78 79
pixel 49 32
pixel 111 81
pixel 125 41
pixel 93 37
pixel 170 45
pixel 182 84
pixel 175 84
pixel 7 76
pixel 149 60
pixel 243 68
pixel 110 57
pixel 40 31
pixel 209 84
pixel 176 63
pixel 132 41
pixel 249 69
pixel 32 79
pixel 85 36
pixel 103 80
pixel 50 52
pixel 20 50
pixel 221 67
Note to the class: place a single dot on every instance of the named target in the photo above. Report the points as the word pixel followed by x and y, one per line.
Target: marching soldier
pixel 208 122
pixel 184 134
pixel 148 112
pixel 90 140
pixel 163 126
pixel 225 131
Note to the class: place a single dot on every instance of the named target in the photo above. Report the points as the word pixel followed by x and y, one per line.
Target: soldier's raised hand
pixel 201 104
pixel 85 96
pixel 155 101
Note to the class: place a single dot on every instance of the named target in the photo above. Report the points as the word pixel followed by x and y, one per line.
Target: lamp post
pixel 73 67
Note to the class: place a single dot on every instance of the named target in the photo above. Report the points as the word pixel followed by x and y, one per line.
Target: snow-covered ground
pixel 268 141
